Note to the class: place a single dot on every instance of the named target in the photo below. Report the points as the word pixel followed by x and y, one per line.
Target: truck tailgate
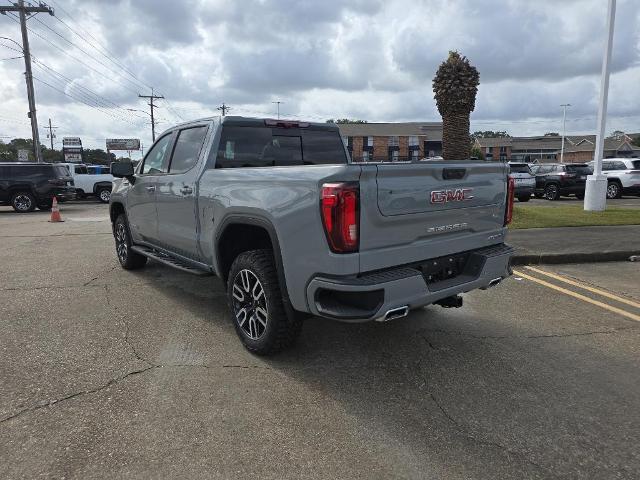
pixel 417 211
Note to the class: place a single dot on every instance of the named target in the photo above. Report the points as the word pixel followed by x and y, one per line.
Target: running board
pixel 169 260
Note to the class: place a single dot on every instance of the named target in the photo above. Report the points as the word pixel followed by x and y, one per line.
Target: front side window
pixel 187 149
pixel 81 170
pixel 154 161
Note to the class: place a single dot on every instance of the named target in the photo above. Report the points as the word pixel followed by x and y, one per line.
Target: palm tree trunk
pixel 456 143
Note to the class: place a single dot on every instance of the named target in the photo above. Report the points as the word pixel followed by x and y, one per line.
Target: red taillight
pixel 508 213
pixel 339 209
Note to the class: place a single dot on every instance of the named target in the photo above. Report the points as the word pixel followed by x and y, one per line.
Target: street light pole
pixel 564 128
pixel 595 198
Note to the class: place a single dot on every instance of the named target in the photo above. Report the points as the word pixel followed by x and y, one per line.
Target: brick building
pixel 392 142
pixel 577 148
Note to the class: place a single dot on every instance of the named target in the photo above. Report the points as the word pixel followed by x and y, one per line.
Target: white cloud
pixel 335 58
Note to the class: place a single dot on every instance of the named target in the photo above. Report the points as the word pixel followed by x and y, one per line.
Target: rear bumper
pixel 370 296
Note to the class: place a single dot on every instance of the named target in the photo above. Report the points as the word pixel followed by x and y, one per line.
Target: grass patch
pixel 572 216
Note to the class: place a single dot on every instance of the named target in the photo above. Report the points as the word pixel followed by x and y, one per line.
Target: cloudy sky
pixel 369 59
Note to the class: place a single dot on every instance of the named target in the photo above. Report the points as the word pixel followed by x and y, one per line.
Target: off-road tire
pixel 281 330
pixel 129 260
pixel 23 202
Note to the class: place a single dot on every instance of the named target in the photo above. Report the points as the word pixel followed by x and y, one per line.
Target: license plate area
pixel 450 270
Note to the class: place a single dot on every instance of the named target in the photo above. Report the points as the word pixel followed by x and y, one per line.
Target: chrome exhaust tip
pixel 492 283
pixel 395 313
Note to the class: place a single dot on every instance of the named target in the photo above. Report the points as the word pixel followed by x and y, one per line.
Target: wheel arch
pixel 116 209
pixel 239 227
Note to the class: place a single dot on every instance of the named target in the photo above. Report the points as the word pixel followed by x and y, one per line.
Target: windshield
pixel 580 169
pixel 61 171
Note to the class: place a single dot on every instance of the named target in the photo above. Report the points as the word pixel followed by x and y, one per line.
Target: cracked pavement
pixel 112 374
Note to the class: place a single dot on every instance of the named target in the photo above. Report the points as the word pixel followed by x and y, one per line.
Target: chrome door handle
pixel 186 190
pixel 151 189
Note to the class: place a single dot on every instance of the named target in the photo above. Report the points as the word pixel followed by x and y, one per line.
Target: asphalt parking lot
pixel 113 374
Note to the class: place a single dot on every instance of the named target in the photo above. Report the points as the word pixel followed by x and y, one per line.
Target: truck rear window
pixel 519 168
pixel 273 147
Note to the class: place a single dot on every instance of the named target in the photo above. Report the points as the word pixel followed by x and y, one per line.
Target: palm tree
pixel 455 86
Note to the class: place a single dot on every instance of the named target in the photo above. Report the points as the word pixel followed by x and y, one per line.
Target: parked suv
pixel 292 227
pixel 554 180
pixel 525 181
pixel 26 186
pixel 623 176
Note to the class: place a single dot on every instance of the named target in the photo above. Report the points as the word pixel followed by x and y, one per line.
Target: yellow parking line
pixel 606 306
pixel 586 287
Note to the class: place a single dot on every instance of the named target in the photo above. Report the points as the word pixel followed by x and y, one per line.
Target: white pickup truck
pixel 87 183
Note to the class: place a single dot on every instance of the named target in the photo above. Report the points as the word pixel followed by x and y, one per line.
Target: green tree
pixel 552 134
pixel 489 134
pixel 455 87
pixel 477 152
pixel 617 135
pixel 346 120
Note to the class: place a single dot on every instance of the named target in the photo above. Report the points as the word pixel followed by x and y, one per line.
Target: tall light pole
pixel 564 128
pixel 595 197
pixel 278 102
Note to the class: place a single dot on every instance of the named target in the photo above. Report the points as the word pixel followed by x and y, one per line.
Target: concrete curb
pixel 555 258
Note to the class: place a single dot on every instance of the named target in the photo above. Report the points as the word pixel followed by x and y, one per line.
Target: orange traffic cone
pixel 55 212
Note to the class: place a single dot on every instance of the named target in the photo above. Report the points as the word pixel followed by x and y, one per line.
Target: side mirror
pixel 122 169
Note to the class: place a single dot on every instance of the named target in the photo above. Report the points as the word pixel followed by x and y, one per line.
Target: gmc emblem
pixel 455 195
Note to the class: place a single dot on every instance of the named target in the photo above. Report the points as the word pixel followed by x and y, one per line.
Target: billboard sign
pixel 73 157
pixel 71 142
pixel 123 144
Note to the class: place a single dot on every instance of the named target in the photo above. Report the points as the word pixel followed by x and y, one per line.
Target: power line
pixel 99 98
pixel 82 101
pixel 81 61
pixel 85 52
pixel 109 54
pixel 23 11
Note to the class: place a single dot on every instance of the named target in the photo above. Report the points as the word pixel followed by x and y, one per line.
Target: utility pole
pixel 51 134
pixel 564 128
pixel 224 109
pixel 151 98
pixel 278 106
pixel 23 11
pixel 595 195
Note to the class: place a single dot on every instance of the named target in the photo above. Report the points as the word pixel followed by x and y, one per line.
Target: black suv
pixel 26 186
pixel 554 180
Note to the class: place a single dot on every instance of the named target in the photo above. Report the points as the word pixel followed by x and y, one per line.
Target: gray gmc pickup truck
pixel 278 211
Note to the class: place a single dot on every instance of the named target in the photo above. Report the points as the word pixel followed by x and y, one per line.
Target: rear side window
pixel 187 149
pixel 271 147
